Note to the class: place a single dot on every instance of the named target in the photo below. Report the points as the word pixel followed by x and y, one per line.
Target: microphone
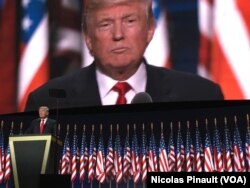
pixel 142 97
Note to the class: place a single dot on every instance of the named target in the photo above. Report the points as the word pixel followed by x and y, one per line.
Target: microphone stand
pixel 56 136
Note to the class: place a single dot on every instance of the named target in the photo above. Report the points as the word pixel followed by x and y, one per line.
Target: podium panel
pixel 31 156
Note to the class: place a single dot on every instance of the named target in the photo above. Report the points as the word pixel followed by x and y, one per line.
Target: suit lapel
pixel 37 127
pixel 158 85
pixel 85 88
pixel 46 125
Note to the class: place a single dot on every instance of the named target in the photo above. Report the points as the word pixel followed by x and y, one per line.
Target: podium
pixel 31 156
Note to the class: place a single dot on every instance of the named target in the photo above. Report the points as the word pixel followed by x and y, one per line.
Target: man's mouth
pixel 119 50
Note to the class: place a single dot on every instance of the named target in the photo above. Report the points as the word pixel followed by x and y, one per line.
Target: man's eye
pixel 104 25
pixel 131 21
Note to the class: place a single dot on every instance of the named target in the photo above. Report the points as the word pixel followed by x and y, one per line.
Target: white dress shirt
pixel 105 85
pixel 44 121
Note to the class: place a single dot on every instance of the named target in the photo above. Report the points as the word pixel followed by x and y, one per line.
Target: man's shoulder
pixel 35 120
pixel 65 81
pixel 178 76
pixel 51 120
pixel 184 85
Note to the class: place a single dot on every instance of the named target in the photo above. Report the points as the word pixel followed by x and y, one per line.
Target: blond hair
pixel 91 5
pixel 44 107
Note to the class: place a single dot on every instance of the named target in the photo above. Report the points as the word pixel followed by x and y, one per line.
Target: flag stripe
pixel 34 44
pixel 159 43
pixel 237 51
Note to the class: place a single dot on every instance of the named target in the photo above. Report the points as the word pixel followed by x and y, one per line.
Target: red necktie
pixel 122 88
pixel 41 126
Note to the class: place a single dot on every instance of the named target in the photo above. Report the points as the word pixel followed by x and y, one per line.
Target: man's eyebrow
pixel 133 14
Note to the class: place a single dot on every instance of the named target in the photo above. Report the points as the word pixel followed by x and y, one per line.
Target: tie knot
pixel 122 87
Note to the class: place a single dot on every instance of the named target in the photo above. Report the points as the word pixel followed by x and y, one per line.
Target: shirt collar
pixel 137 81
pixel 45 119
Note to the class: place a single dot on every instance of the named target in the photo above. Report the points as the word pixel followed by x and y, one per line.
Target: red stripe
pixel 244 8
pixel 40 78
pixel 223 74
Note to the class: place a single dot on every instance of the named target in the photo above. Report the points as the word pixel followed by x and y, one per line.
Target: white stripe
pixel 157 51
pixel 69 39
pixel 234 38
pixel 35 52
pixel 205 20
pixel 205 17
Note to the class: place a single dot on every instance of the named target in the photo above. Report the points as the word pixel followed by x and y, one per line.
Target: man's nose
pixel 118 31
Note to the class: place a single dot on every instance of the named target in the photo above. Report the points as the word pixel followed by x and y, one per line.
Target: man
pixel 43 124
pixel 117 33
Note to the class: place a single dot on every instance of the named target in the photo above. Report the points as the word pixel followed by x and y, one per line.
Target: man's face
pixel 43 113
pixel 118 35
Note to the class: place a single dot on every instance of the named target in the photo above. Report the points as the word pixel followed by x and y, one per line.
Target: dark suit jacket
pixel 162 84
pixel 49 127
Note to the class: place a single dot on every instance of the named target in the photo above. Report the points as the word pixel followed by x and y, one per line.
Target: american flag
pixel 247 148
pixel 201 149
pixel 171 152
pixel 225 34
pixel 136 163
pixel 180 152
pixel 159 44
pixel 189 151
pixel 83 157
pixel 163 156
pixel 208 163
pixel 228 167
pixel 65 166
pixel 127 168
pixel 152 156
pixel 92 158
pixel 118 158
pixel 239 163
pixel 74 158
pixel 34 43
pixel 1 155
pixel 198 145
pixel 100 162
pixel 7 171
pixel 110 170
pixel 144 157
pixel 218 161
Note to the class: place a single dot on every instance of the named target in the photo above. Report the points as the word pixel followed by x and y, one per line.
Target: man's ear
pixel 88 42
